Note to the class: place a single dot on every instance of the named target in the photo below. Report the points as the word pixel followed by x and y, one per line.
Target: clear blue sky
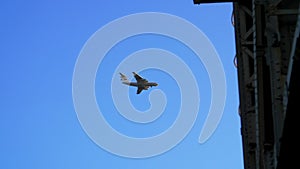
pixel 40 44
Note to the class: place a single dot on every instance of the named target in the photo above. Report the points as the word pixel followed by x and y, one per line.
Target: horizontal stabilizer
pixel 124 79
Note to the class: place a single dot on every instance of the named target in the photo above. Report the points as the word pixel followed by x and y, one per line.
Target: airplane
pixel 141 83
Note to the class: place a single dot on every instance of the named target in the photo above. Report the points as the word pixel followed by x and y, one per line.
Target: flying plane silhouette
pixel 141 83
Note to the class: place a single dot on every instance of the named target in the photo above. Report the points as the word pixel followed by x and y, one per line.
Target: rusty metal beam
pixel 212 1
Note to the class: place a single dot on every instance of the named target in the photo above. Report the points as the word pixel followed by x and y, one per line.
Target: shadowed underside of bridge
pixel 268 67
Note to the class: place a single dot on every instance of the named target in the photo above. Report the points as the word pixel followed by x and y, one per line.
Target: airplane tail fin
pixel 124 79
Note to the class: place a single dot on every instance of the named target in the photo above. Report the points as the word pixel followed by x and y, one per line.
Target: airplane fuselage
pixel 143 85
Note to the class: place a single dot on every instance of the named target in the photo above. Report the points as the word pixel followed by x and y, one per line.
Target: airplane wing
pixel 139 90
pixel 137 77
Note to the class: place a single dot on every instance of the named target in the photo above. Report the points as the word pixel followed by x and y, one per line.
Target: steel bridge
pixel 268 68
